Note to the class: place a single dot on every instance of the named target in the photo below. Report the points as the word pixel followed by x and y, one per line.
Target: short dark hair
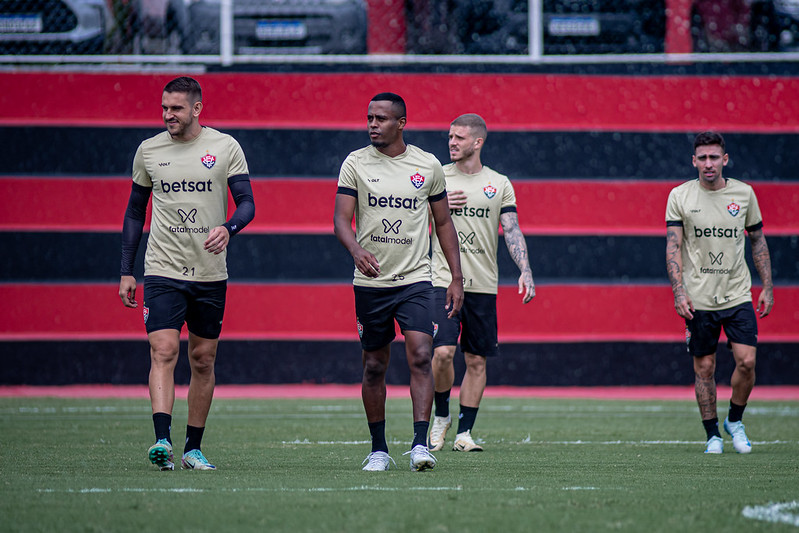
pixel 189 86
pixel 474 122
pixel 396 102
pixel 707 138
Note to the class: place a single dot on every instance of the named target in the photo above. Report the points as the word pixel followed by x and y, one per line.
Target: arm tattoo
pixel 674 259
pixel 761 257
pixel 514 239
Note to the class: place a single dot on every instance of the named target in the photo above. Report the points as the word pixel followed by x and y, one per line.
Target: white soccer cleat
pixel 464 443
pixel 715 445
pixel 421 458
pixel 438 433
pixel 739 439
pixel 377 461
pixel 195 460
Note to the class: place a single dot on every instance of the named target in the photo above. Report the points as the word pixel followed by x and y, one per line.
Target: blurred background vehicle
pixel 149 27
pixel 745 25
pixel 53 26
pixel 283 27
pixel 569 26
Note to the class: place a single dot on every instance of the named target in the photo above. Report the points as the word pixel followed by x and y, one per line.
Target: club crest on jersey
pixel 490 191
pixel 360 328
pixel 733 209
pixel 417 180
pixel 208 160
pixel 146 312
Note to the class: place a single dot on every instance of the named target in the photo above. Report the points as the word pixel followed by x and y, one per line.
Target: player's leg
pixel 164 348
pixel 702 334
pixel 478 342
pixel 418 350
pixel 204 316
pixel 415 316
pixel 445 339
pixel 741 329
pixel 443 379
pixel 472 388
pixel 375 320
pixel 164 309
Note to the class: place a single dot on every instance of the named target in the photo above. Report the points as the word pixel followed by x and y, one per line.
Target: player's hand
pixel 127 291
pixel 526 286
pixel 456 199
pixel 366 263
pixel 454 298
pixel 217 240
pixel 765 302
pixel 683 304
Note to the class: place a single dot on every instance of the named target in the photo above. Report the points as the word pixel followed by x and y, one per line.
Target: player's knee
pixel 443 355
pixel 746 364
pixel 705 367
pixel 164 353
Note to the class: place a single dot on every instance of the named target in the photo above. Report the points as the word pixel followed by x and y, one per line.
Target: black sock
pixel 378 432
pixel 194 437
pixel 442 403
pixel 736 412
pixel 712 427
pixel 162 423
pixel 420 433
pixel 466 418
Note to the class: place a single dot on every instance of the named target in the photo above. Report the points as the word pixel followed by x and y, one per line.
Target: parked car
pixel 149 27
pixel 53 26
pixel 283 27
pixel 569 27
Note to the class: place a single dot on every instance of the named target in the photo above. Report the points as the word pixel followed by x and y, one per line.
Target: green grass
pixel 294 465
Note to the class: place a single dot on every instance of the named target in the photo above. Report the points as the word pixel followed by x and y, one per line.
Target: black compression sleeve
pixel 241 189
pixel 133 226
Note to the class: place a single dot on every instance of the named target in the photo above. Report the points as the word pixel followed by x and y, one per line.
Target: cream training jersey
pixel 391 217
pixel 488 195
pixel 715 273
pixel 189 182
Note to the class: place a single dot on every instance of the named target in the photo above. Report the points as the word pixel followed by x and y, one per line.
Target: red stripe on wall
pixel 559 313
pixel 567 207
pixel 339 101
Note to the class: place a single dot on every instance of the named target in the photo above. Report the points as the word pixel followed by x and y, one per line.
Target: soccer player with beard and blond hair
pixel 481 200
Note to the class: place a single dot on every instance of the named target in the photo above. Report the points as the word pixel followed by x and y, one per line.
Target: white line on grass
pixel 528 440
pixel 774 512
pixel 360 488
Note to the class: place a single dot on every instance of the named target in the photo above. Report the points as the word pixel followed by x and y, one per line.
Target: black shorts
pixel 169 303
pixel 476 324
pixel 377 308
pixel 702 332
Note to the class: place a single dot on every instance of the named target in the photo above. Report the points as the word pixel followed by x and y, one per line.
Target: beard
pixel 379 144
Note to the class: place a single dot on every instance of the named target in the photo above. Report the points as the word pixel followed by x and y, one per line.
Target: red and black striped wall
pixel 592 158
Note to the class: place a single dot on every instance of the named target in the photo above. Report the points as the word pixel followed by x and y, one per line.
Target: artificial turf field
pixel 294 465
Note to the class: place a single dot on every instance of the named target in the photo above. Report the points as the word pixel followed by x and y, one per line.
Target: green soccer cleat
pixel 160 454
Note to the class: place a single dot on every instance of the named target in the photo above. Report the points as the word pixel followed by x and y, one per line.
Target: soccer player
pixel 387 187
pixel 480 200
pixel 706 220
pixel 187 169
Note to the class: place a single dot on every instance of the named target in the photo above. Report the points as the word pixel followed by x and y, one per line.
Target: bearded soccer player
pixel 706 222
pixel 387 187
pixel 480 201
pixel 188 170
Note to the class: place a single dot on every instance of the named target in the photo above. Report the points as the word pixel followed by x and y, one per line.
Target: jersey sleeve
pixel 439 184
pixel 673 212
pixel 508 198
pixel 347 177
pixel 754 219
pixel 140 174
pixel 238 163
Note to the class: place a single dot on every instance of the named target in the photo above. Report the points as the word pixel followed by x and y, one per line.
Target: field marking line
pixel 774 512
